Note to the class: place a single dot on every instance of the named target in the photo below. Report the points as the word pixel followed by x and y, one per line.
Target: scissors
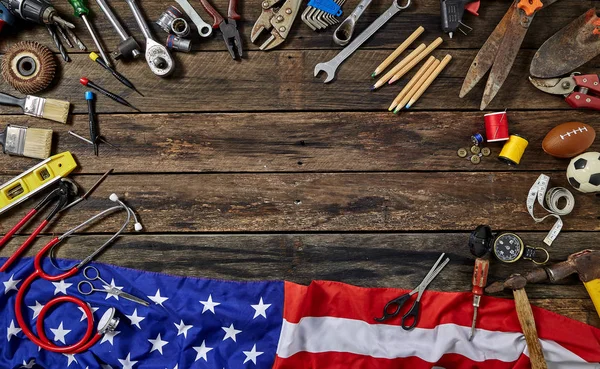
pixel 107 323
pixel 393 307
pixel 92 274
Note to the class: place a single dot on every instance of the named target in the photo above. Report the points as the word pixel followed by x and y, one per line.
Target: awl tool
pixel 82 12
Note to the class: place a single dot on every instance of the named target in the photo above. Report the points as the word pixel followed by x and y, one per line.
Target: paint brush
pixel 29 142
pixel 40 107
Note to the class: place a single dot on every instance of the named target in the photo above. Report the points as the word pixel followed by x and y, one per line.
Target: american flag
pixel 202 323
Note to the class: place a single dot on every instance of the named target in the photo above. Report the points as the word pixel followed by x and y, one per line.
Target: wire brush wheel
pixel 29 67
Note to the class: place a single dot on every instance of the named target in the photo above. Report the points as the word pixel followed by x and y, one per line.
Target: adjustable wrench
pixel 159 60
pixel 332 65
pixel 204 29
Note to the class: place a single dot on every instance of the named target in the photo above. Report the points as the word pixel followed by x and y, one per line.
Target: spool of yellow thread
pixel 513 150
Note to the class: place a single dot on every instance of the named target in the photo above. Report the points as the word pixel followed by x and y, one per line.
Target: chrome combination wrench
pixel 204 29
pixel 160 61
pixel 331 66
pixel 343 33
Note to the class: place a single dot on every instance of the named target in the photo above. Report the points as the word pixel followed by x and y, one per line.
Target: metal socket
pixel 179 44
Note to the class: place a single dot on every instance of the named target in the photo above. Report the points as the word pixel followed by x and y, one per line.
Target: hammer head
pixel 587 264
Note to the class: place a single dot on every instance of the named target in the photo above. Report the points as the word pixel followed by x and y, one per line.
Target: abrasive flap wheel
pixel 29 67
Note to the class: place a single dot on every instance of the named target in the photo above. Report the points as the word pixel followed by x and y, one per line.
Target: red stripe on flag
pixel 334 299
pixel 343 360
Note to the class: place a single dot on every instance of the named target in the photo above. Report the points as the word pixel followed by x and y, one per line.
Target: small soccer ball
pixel 583 172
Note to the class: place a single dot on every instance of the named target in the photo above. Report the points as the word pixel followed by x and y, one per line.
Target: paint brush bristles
pixel 30 142
pixel 56 110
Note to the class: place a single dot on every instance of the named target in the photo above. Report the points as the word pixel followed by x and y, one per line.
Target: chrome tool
pixel 278 17
pixel 343 33
pixel 128 47
pixel 82 12
pixel 204 29
pixel 92 274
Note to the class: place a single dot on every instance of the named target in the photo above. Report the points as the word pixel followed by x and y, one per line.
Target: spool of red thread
pixel 496 126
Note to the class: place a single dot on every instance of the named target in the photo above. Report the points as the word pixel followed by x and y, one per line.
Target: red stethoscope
pixel 107 323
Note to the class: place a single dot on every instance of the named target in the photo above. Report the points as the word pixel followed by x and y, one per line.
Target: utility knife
pixel 576 89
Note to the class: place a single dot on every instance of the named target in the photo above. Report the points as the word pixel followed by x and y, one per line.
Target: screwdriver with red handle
pixel 480 245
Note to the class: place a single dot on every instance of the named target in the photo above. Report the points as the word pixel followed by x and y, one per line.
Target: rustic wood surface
pixel 257 170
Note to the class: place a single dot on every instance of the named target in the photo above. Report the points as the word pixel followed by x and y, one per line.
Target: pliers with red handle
pixel 63 194
pixel 575 88
pixel 228 27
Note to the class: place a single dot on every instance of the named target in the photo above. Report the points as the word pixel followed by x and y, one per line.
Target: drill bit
pixel 61 22
pixel 74 37
pixel 58 44
pixel 86 82
pixel 64 36
pixel 116 74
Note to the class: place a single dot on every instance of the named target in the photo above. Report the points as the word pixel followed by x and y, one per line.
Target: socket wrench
pixel 343 33
pixel 159 60
pixel 332 65
pixel 204 29
pixel 128 47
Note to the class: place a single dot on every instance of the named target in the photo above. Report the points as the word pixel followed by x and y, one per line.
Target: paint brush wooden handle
pixel 399 50
pixel 412 82
pixel 429 80
pixel 525 314
pixel 437 42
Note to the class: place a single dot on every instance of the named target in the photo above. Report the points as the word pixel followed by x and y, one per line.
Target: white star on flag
pixel 157 344
pixel 127 362
pixel 202 350
pixel 230 332
pixel 12 330
pixel 182 328
pixel 28 365
pixel 36 309
pixel 11 284
pixel 71 358
pixel 135 319
pixel 252 355
pixel 260 309
pixel 111 288
pixel 209 305
pixel 60 333
pixel 83 315
pixel 61 287
pixel 109 336
pixel 157 298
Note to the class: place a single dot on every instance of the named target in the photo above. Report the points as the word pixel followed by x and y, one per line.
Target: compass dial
pixel 508 247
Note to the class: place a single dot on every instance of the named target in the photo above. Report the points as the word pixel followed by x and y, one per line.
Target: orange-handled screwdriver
pixel 480 274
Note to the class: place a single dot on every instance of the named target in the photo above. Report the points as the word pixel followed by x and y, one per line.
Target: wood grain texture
pixel 370 260
pixel 296 142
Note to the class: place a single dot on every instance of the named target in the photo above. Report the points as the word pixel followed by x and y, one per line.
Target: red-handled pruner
pixel 576 88
pixel 228 27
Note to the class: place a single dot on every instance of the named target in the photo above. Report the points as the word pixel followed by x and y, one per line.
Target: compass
pixel 509 247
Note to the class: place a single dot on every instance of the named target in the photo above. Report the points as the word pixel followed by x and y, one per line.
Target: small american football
pixel 569 139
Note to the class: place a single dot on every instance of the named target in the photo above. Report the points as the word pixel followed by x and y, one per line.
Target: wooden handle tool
pixel 525 314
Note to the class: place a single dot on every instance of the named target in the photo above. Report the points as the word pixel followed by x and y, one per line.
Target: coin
pixel 486 151
pixel 475 159
pixel 462 152
pixel 475 149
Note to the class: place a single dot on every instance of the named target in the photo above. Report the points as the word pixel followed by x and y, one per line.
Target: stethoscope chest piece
pixel 108 322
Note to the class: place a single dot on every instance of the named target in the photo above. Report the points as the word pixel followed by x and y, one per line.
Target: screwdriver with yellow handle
pixel 121 78
pixel 82 12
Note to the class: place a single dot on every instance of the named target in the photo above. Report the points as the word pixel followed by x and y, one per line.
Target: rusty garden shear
pixel 277 16
pixel 501 48
pixel 228 27
pixel 575 88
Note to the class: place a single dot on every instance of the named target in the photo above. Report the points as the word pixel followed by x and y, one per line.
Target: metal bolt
pixel 577 97
pixel 595 83
pixel 282 29
pixel 265 4
pixel 566 85
pixel 585 80
pixel 588 100
pixel 279 18
pixel 288 11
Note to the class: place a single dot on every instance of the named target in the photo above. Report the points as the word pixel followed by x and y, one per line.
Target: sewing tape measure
pixel 549 199
pixel 35 180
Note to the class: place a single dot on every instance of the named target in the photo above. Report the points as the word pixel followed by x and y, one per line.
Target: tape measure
pixel 549 200
pixel 35 180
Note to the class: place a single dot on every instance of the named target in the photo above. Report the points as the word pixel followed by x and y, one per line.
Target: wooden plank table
pixel 257 170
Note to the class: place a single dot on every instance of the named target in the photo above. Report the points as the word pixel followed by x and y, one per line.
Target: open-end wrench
pixel 204 29
pixel 157 56
pixel 343 33
pixel 331 66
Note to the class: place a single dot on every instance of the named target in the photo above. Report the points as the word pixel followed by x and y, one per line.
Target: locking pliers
pixel 276 17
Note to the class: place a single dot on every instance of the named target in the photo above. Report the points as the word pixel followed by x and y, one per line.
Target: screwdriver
pixel 82 12
pixel 89 97
pixel 117 75
pixel 480 274
pixel 86 82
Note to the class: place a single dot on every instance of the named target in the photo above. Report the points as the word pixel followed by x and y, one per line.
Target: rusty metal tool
pixel 278 17
pixel 585 263
pixel 569 48
pixel 501 48
pixel 575 88
pixel 228 27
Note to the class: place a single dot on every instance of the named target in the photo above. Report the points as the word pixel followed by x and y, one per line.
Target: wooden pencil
pixel 386 77
pixel 412 82
pixel 430 80
pixel 416 86
pixel 416 60
pixel 399 50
